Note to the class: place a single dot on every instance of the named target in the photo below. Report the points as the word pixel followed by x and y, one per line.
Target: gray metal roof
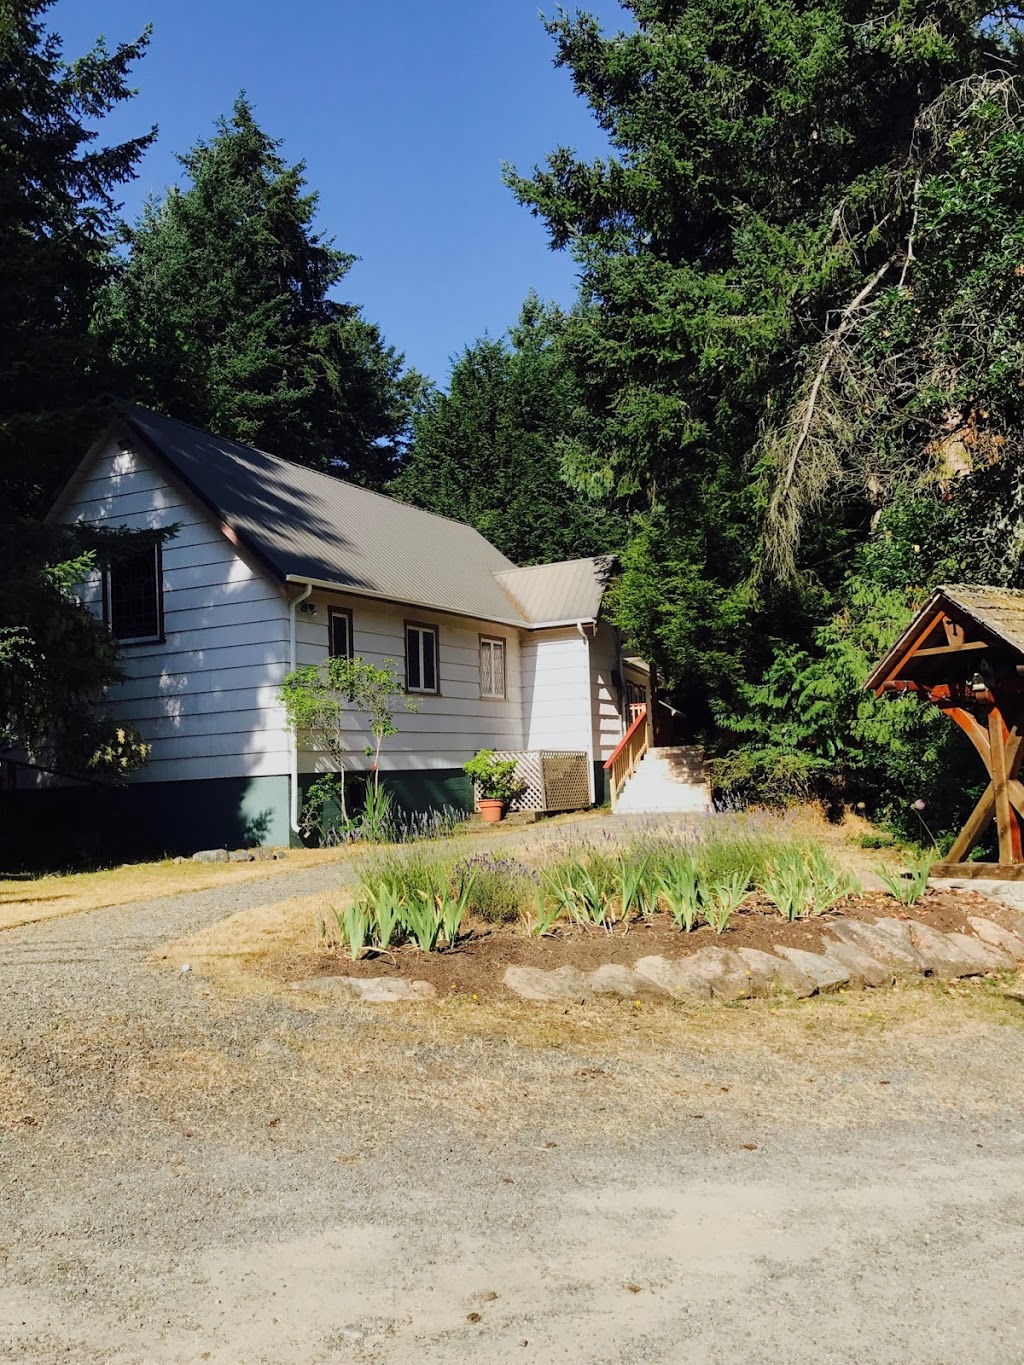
pixel 308 525
pixel 570 590
pixel 997 610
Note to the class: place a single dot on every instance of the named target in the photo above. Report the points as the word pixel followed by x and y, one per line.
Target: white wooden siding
pixel 205 698
pixel 605 700
pixel 446 730
pixel 556 690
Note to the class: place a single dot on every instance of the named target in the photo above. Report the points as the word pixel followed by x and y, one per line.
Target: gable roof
pixel 999 611
pixel 570 590
pixel 306 525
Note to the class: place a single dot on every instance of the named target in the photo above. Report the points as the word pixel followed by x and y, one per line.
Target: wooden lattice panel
pixel 566 781
pixel 555 779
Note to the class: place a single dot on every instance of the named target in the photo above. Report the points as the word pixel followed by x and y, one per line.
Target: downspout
pixel 591 787
pixel 294 739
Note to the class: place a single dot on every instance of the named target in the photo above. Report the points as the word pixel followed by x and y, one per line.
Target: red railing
pixel 628 752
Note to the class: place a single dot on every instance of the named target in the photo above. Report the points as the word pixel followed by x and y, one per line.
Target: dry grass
pixel 49 897
pixel 831 1062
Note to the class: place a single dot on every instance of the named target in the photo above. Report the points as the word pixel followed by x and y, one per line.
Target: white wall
pixel 206 697
pixel 446 730
pixel 604 696
pixel 556 690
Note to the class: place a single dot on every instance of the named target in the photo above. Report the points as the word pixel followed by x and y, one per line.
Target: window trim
pixel 425 626
pixel 494 640
pixel 160 637
pixel 332 614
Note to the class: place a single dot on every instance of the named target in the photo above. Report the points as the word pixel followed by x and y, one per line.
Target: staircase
pixel 666 781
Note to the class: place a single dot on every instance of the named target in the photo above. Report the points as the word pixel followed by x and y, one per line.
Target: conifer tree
pixel 224 315
pixel 58 218
pixel 489 450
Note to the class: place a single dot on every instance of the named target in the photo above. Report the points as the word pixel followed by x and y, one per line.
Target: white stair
pixel 666 781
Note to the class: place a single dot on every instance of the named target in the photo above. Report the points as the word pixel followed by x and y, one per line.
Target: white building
pixel 273 564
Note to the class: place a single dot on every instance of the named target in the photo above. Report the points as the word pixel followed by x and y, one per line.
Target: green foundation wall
pixel 73 826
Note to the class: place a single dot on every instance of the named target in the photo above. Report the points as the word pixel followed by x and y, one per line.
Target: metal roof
pixel 309 526
pixel 306 524
pixel 567 591
pixel 997 610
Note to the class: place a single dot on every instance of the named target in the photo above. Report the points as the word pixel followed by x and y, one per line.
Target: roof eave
pixel 328 585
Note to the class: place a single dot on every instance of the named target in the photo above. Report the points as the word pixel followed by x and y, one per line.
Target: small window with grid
pixel 134 595
pixel 492 668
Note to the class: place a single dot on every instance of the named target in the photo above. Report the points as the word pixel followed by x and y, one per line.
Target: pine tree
pixel 224 315
pixel 58 219
pixel 488 451
pixel 57 224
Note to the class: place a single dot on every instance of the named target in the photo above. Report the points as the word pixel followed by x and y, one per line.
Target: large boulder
pixel 827 973
pixel 998 937
pixel 612 978
pixel 532 983
pixel 378 990
pixel 709 973
pixel 864 969
pixel 211 855
pixel 769 974
pixel 954 955
pixel 892 948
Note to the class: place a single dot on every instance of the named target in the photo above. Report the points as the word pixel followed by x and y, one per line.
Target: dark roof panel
pixel 307 524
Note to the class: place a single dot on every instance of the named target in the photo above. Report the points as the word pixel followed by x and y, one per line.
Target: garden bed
pixel 476 966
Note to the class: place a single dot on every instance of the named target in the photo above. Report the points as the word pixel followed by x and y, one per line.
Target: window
pixel 339 633
pixel 492 668
pixel 133 595
pixel 421 659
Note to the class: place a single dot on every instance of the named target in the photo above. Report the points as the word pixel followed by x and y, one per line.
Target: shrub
pixel 495 777
pixel 503 888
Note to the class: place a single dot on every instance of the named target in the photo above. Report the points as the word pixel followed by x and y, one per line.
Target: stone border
pixel 856 955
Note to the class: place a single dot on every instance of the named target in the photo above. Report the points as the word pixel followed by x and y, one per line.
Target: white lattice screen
pixel 556 779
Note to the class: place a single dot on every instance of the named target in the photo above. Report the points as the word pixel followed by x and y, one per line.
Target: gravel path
pixel 251 1217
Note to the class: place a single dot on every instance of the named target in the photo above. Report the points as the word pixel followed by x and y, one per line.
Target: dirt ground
pixel 207 1166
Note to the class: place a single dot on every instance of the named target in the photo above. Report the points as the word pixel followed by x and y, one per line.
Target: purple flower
pixel 919 804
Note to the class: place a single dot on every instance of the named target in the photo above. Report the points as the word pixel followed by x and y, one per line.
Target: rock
pixel 242 855
pixel 827 973
pixel 769 974
pixel 613 979
pixel 953 955
pixel 864 969
pixel 892 949
pixel 678 978
pixel 567 983
pixel 211 855
pixel 378 990
pixel 707 973
pixel 180 859
pixel 998 937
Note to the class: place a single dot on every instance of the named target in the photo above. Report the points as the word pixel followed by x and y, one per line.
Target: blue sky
pixel 403 111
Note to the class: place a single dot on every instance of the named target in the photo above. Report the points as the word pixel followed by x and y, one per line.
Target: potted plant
pixel 496 783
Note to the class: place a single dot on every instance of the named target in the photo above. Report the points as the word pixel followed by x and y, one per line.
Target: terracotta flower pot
pixel 491 811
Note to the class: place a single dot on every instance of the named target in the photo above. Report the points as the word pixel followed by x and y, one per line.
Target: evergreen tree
pixel 57 224
pixel 58 218
pixel 223 315
pixel 489 450
pixel 802 274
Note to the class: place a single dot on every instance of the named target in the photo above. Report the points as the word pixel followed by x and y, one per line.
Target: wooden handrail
pixel 628 753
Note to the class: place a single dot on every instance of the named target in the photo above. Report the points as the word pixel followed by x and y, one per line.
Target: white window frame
pixel 423 632
pixel 345 614
pixel 489 646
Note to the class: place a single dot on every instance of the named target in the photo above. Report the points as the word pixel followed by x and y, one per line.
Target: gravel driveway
pixel 250 1216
